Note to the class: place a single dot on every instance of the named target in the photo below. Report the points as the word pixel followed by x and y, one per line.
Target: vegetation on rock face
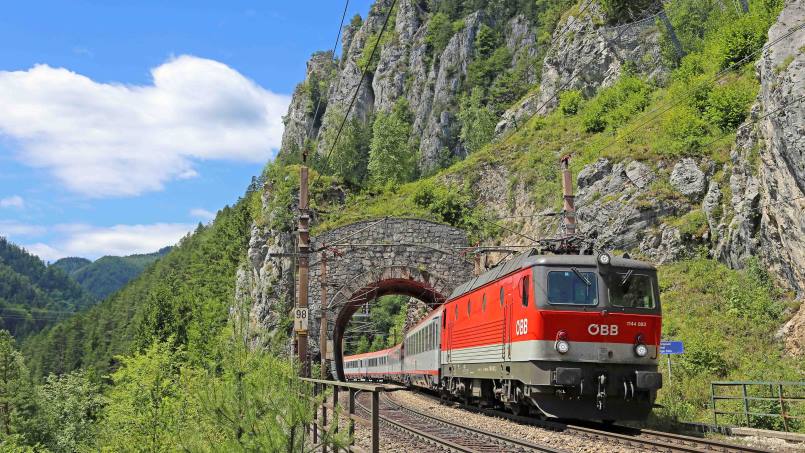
pixel 392 158
pixel 34 295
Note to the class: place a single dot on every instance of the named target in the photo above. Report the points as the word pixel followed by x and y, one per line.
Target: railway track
pixel 628 437
pixel 446 435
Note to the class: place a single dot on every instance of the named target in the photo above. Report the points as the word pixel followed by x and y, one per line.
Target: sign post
pixel 670 348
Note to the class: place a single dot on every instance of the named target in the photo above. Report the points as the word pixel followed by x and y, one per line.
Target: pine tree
pixel 392 158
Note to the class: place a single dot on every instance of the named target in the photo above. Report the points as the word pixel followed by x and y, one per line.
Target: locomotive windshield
pixel 572 287
pixel 631 290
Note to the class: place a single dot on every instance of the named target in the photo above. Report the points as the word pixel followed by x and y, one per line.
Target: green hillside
pixel 107 274
pixel 184 297
pixel 33 295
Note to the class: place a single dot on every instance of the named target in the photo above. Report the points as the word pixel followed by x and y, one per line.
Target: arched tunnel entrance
pixel 413 287
pixel 370 259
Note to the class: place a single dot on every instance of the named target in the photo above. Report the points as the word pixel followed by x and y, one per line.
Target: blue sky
pixel 123 124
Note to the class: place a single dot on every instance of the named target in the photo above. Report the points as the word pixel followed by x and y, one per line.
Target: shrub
pixel 569 102
pixel 392 159
pixel 477 122
pixel 683 132
pixel 439 32
pixel 615 105
pixel 728 105
pixel 740 38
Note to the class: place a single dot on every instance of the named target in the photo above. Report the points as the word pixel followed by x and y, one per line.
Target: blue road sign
pixel 671 347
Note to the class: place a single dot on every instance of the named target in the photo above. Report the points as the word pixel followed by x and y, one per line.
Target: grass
pixel 727 319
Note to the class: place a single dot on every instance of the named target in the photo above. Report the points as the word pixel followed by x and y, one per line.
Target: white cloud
pixel 94 242
pixel 10 229
pixel 106 139
pixel 14 201
pixel 202 214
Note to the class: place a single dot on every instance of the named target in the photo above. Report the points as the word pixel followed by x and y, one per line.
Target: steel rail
pixel 480 441
pixel 634 437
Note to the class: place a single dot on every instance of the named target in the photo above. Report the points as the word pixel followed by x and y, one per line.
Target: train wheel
pixel 519 409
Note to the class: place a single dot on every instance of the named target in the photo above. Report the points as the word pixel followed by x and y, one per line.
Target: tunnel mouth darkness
pixel 394 286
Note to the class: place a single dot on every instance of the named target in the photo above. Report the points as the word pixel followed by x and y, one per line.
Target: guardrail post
pixel 324 421
pixel 713 403
pixel 782 409
pixel 351 413
pixel 746 405
pixel 375 422
pixel 315 414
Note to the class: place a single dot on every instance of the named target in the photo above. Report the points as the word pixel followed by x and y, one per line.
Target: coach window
pixel 525 291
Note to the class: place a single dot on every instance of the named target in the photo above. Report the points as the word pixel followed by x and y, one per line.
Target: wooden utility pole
pixel 323 320
pixel 300 326
pixel 569 199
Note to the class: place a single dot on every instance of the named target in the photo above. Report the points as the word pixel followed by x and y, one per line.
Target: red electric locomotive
pixel 568 336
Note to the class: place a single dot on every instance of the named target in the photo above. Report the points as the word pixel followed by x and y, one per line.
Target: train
pixel 557 336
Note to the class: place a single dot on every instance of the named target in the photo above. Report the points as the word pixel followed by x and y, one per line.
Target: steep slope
pixel 107 274
pixel 33 295
pixel 184 297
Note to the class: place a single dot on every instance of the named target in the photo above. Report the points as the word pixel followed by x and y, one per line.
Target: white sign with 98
pixel 300 319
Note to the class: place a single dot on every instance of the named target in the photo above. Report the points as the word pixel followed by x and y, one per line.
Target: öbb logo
pixel 602 329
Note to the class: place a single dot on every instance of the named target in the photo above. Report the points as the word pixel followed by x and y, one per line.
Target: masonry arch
pixel 366 260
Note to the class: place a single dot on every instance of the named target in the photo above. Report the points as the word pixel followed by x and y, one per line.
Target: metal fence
pixel 330 390
pixel 765 404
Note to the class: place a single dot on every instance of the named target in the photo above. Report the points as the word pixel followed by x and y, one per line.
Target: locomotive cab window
pixel 572 287
pixel 525 289
pixel 469 308
pixel 483 303
pixel 501 295
pixel 630 290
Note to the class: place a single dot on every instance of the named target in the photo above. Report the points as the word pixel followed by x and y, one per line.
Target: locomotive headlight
pixel 604 258
pixel 562 346
pixel 641 350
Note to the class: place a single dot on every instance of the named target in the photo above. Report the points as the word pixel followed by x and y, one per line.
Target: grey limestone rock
pixel 688 178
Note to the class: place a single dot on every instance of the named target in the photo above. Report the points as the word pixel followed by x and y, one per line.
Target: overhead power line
pixel 335 47
pixel 360 83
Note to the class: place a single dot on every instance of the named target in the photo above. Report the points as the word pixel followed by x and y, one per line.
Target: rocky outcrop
pixel 688 178
pixel 300 121
pixel 767 175
pixel 586 56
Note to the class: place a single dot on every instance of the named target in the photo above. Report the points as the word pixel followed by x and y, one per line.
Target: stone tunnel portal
pixel 374 258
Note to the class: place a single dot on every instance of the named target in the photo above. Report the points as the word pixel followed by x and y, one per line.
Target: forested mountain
pixel 33 295
pixel 183 297
pixel 107 274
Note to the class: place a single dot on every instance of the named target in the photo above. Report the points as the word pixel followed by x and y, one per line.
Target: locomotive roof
pixel 531 258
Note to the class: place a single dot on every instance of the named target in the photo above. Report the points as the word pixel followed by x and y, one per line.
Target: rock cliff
pixel 582 54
